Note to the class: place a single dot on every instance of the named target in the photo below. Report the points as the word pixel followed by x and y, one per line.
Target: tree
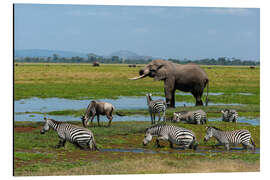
pixel 91 57
pixel 55 57
pixel 115 58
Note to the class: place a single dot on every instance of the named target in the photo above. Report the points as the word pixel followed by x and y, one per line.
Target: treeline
pixel 218 61
pixel 116 60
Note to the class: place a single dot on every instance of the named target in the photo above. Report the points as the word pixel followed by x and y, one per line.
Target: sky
pixel 165 32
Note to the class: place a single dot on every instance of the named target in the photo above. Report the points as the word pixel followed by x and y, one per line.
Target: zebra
pixel 81 137
pixel 228 138
pixel 155 106
pixel 229 115
pixel 191 117
pixel 175 135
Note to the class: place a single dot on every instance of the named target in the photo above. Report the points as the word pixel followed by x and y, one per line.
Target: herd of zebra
pixel 84 138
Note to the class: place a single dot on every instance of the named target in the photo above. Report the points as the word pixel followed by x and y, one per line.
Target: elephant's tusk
pixel 139 77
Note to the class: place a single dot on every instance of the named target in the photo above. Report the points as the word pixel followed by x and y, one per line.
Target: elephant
pixel 188 78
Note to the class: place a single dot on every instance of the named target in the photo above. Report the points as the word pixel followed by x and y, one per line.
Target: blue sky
pixel 166 32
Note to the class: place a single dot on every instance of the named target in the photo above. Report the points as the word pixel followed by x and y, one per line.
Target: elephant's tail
pixel 206 99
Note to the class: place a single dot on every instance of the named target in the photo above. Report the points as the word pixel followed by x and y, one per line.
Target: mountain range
pixel 124 54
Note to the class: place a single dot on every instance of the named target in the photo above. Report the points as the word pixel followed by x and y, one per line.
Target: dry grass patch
pixel 154 165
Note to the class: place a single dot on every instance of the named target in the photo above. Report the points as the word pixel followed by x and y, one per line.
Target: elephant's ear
pixel 162 73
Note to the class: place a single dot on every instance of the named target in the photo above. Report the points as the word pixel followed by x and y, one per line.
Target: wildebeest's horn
pixel 138 77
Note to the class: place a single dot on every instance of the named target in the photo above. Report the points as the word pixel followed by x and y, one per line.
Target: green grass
pixel 79 81
pixel 27 156
pixel 35 154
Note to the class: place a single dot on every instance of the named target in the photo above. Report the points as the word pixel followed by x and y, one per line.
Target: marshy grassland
pixel 35 154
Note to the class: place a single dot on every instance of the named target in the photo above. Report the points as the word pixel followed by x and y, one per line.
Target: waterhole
pixel 58 104
pixel 39 117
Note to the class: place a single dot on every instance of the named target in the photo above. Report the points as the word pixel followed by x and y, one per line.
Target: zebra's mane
pixel 154 126
pixel 215 128
pixel 182 112
pixel 56 122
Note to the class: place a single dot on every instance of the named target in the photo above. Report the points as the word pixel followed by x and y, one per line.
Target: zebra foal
pixel 228 138
pixel 175 135
pixel 229 115
pixel 81 137
pixel 154 107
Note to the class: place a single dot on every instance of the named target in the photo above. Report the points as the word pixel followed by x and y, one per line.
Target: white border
pixel 6 37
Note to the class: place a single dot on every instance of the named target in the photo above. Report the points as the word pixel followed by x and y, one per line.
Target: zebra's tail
pixel 206 99
pixel 93 143
pixel 253 143
pixel 194 144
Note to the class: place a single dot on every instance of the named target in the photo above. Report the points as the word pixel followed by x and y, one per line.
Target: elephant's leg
pixel 173 98
pixel 198 98
pixel 169 93
pixel 170 101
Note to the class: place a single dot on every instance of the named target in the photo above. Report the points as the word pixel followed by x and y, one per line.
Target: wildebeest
pixel 132 65
pixel 96 63
pixel 98 108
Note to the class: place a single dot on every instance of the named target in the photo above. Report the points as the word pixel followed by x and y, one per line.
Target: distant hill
pixel 125 54
pixel 46 53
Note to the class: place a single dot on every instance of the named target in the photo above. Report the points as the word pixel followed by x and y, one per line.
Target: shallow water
pixel 39 117
pixel 189 94
pixel 43 105
pixel 252 121
pixel 179 150
pixel 246 94
pixel 58 104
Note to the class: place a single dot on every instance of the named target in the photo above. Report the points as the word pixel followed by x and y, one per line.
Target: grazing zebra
pixel 175 135
pixel 155 106
pixel 229 115
pixel 190 117
pixel 228 138
pixel 77 135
